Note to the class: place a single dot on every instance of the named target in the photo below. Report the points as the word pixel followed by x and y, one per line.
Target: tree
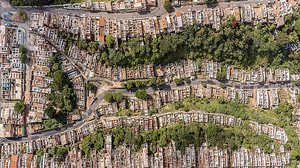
pixel 20 107
pixel 113 97
pixel 108 97
pixel 91 87
pixel 87 145
pixel 141 94
pixel 55 67
pixel 297 26
pixel 21 14
pixel 297 83
pixel 22 49
pixel 61 152
pixel 51 112
pixel 82 44
pixel 59 80
pixel 98 140
pixel 109 39
pixel 179 81
pixel 93 47
pixel 69 99
pixel 118 135
pixel 23 58
pixel 215 136
pixel 51 123
pixel 128 85
pixel 221 75
pixel 118 96
pixel 168 6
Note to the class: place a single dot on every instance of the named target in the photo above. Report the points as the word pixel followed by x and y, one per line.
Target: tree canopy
pixel 239 44
pixel 182 135
pixel 141 94
pixel 91 87
pixel 62 99
pixel 20 106
pixel 51 112
pixel 113 96
pixel 23 54
pixel 168 6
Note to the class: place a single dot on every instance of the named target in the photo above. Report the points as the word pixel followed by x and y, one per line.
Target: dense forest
pixel 40 2
pixel 240 44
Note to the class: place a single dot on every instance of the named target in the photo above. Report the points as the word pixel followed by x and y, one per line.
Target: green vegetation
pixel 210 1
pixel 141 94
pixel 93 142
pixel 22 148
pixel 220 136
pixel 59 152
pixel 22 14
pixel 51 112
pixel 168 6
pixel 40 152
pixel 109 40
pixel 222 85
pixel 113 97
pixel 221 75
pixel 182 81
pixel 20 107
pixel 297 26
pixel 280 116
pixel 40 2
pixel 91 46
pixel 51 124
pixel 239 44
pixel 153 111
pixel 91 87
pixel 125 112
pixel 62 99
pixel 23 56
pixel 139 84
pixel 182 135
pixel 297 83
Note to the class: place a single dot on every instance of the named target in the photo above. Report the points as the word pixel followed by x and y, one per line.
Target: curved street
pixel 6 7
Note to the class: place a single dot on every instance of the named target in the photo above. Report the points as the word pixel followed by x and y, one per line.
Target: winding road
pixel 6 7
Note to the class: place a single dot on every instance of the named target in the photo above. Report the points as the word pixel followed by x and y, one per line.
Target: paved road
pixel 99 98
pixel 75 125
pixel 157 12
pixel 5 7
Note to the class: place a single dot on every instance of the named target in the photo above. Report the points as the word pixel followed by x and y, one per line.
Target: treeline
pixel 239 44
pixel 182 135
pixel 40 2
